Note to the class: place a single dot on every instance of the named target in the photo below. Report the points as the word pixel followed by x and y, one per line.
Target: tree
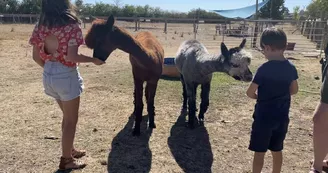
pixel 117 3
pixel 274 9
pixel 79 3
pixel 317 9
pixel 129 11
pixel 104 9
pixel 30 7
pixel 79 6
pixel 296 12
pixel 9 6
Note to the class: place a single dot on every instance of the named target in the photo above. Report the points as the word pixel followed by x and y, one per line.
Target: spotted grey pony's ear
pixel 225 51
pixel 242 44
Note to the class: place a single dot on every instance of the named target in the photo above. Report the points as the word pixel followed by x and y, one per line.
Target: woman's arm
pixel 36 56
pixel 73 56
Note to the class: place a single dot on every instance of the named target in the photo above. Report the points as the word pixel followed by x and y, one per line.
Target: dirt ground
pixel 104 128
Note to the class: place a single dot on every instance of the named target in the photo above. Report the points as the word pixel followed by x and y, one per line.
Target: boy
pixel 275 81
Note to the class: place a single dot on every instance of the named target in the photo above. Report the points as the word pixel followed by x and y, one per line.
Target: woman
pixel 320 126
pixel 56 39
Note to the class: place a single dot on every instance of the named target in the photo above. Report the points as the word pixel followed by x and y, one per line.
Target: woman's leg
pixel 70 118
pixel 320 133
pixel 60 104
pixel 75 153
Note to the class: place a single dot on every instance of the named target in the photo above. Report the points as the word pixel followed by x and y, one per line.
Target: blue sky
pixel 186 5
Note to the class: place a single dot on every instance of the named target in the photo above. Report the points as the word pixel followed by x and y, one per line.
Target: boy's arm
pixel 36 56
pixel 293 88
pixel 251 91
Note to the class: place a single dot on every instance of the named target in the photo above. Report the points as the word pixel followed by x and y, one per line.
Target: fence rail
pixel 306 33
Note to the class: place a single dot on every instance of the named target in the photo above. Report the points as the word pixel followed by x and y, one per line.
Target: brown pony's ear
pixel 110 21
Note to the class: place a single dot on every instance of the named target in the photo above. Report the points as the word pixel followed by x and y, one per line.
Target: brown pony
pixel 146 57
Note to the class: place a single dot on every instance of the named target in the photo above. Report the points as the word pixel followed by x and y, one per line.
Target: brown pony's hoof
pixel 184 112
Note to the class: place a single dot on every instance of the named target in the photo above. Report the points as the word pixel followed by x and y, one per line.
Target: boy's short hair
pixel 275 38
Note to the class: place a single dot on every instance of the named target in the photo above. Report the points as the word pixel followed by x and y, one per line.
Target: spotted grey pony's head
pixel 237 61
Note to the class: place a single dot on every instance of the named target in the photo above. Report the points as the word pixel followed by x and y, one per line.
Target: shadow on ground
pixel 191 148
pixel 163 77
pixel 130 153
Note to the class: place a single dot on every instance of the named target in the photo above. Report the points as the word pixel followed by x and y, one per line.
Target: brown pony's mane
pixel 99 22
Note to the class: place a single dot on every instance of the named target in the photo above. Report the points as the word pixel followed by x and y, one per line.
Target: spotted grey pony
pixel 196 66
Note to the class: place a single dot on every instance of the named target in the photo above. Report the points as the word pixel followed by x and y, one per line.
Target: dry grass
pixel 104 128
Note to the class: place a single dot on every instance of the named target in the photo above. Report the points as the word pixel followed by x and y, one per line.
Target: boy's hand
pixel 251 91
pixel 97 61
pixel 293 87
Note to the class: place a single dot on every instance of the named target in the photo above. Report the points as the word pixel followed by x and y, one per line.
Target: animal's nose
pixel 248 77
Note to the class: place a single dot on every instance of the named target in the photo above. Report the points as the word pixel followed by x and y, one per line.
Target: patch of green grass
pixel 221 79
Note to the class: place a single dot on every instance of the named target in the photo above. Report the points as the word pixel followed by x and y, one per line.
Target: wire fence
pixel 304 37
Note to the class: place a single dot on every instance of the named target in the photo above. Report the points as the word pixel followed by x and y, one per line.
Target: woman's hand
pixel 97 61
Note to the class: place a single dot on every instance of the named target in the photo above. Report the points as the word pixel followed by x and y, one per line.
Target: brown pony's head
pixel 103 38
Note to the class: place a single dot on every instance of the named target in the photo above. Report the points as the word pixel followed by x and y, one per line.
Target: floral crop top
pixel 68 35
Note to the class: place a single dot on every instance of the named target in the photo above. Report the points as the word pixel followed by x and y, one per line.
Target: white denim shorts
pixel 62 82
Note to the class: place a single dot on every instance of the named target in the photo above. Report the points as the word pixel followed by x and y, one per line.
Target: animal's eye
pixel 234 65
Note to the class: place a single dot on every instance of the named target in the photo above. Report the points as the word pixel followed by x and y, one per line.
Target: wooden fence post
pixel 311 29
pixel 324 38
pixel 256 30
pixel 195 30
pixel 165 27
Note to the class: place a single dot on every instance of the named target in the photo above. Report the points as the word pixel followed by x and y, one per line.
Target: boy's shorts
pixel 268 135
pixel 62 82
pixel 269 128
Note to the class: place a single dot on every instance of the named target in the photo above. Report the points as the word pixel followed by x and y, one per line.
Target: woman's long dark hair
pixel 55 13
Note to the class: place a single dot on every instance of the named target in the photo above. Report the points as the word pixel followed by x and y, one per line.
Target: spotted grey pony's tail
pixel 184 93
pixel 324 63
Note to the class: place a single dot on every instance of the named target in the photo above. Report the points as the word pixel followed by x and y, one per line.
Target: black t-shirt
pixel 274 78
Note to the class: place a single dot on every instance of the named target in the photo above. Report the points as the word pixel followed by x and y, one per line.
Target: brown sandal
pixel 325 162
pixel 314 171
pixel 70 164
pixel 78 153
